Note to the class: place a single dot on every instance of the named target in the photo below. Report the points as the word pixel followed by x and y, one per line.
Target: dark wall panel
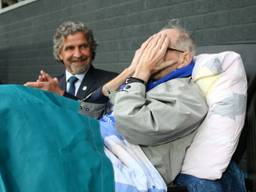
pixel 119 26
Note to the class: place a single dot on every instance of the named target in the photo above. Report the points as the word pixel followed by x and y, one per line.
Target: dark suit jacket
pixel 93 79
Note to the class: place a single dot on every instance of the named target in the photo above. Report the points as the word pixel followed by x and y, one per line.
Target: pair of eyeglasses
pixel 172 49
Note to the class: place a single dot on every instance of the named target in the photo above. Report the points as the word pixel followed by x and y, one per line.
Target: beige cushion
pixel 222 79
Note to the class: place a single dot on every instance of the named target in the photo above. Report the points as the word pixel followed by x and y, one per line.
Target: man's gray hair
pixel 70 28
pixel 184 41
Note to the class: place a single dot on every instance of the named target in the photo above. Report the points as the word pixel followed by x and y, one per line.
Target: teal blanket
pixel 46 145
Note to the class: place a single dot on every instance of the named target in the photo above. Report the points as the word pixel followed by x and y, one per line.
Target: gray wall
pixel 119 26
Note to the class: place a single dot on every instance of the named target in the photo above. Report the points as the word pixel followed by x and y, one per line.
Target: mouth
pixel 80 59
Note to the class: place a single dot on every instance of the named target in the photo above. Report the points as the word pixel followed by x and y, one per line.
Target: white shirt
pixel 78 82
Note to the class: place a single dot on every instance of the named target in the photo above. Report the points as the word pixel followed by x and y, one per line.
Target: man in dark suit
pixel 74 46
pixel 93 79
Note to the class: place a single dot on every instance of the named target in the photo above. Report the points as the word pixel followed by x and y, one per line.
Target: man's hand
pixel 164 68
pixel 47 83
pixel 151 56
pixel 43 76
pixel 138 55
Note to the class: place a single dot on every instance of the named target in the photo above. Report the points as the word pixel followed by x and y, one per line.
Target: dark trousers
pixel 232 180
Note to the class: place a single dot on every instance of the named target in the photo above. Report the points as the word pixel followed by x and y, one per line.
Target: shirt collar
pixel 79 76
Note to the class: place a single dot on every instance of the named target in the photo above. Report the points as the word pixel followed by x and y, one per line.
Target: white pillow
pixel 222 79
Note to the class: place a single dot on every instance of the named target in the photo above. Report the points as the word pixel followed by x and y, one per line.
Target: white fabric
pixel 222 79
pixel 133 172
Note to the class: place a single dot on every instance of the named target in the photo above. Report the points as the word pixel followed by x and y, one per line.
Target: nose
pixel 77 52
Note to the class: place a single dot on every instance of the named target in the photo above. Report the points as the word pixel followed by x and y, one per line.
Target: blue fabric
pixel 108 126
pixel 232 181
pixel 178 73
pixel 129 188
pixel 46 145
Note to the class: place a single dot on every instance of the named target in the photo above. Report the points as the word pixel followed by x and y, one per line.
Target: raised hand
pixel 151 55
pixel 47 83
pixel 44 77
pixel 138 54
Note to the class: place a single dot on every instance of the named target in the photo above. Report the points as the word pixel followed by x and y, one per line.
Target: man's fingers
pixel 144 45
pixel 56 80
pixel 153 52
pixel 44 76
pixel 164 43
pixel 157 46
pixel 35 84
pixel 41 78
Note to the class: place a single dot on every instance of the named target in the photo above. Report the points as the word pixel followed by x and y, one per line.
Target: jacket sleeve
pixel 95 104
pixel 167 112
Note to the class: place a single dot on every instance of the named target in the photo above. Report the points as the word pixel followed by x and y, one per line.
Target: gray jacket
pixel 162 121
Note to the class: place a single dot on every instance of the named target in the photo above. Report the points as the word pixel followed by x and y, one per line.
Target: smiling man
pixel 74 46
pixel 76 53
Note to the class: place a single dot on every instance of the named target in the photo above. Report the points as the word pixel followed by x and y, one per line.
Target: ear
pixel 60 56
pixel 185 59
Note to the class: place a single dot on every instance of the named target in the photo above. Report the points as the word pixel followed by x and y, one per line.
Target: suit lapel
pixel 62 81
pixel 88 84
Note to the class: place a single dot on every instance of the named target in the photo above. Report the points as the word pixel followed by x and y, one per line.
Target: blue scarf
pixel 178 73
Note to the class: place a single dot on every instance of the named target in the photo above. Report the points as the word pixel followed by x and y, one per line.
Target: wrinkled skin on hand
pixel 47 83
pixel 149 59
